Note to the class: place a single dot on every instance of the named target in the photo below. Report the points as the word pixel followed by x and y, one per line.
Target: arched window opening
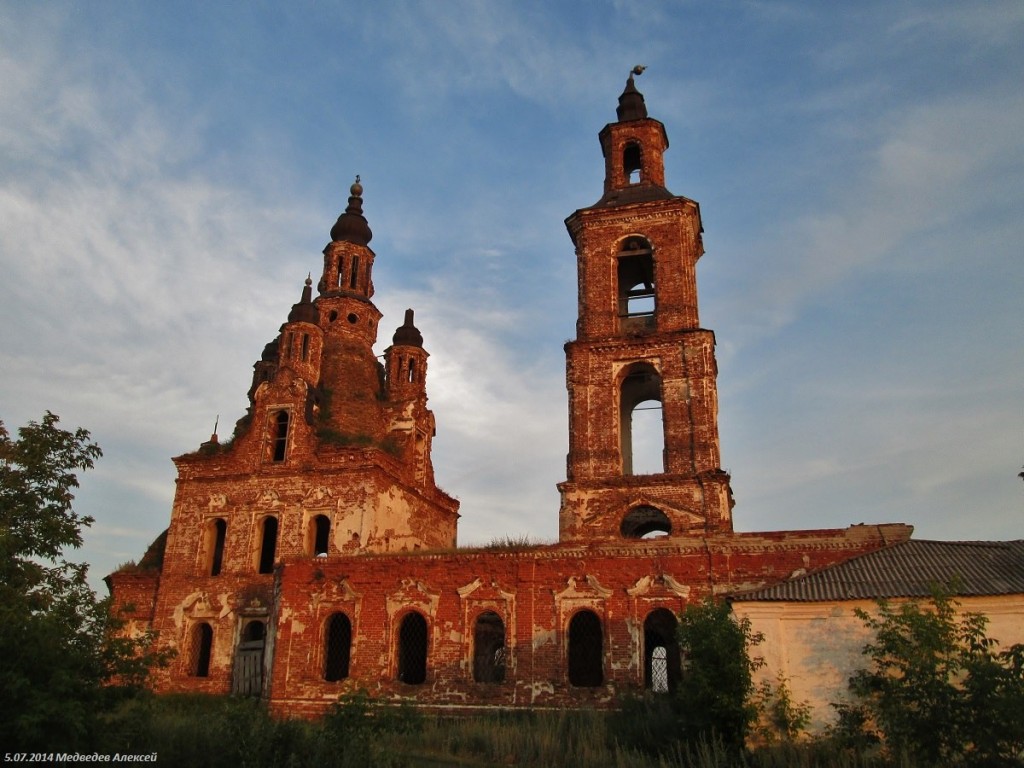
pixel 635 281
pixel 337 647
pixel 268 545
pixel 662 661
pixel 341 272
pixel 201 648
pixel 647 433
pixel 254 632
pixel 353 277
pixel 586 650
pixel 216 534
pixel 280 442
pixel 489 648
pixel 320 534
pixel 288 345
pixel 305 347
pixel 412 371
pixel 632 162
pixel 645 522
pixel 412 649
pixel 641 427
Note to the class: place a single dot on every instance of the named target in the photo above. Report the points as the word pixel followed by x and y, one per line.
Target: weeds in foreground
pixel 214 731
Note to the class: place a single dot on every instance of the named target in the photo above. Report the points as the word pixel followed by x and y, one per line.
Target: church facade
pixel 312 554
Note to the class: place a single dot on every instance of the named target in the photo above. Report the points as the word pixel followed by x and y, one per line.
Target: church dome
pixel 351 226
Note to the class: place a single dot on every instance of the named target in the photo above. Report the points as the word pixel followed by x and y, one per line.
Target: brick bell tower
pixel 639 343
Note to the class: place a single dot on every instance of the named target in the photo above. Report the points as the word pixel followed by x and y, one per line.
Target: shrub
pixel 936 688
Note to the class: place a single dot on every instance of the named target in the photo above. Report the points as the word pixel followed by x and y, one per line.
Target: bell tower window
pixel 635 285
pixel 354 274
pixel 632 163
pixel 641 428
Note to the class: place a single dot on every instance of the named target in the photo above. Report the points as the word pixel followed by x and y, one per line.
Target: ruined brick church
pixel 313 555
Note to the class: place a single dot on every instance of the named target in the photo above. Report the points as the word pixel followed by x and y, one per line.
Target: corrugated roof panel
pixel 909 569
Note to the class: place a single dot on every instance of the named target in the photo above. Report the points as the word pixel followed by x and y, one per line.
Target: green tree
pixel 714 698
pixel 54 650
pixel 936 687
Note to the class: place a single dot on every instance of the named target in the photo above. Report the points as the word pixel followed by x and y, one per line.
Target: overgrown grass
pixel 214 731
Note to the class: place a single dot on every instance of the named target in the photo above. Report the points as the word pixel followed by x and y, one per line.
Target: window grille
pixel 412 649
pixel 586 650
pixel 200 649
pixel 489 648
pixel 662 660
pixel 338 647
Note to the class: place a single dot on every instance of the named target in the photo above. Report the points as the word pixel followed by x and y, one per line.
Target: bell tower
pixel 639 344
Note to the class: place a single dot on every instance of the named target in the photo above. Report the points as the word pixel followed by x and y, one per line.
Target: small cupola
pixel 633 148
pixel 408 335
pixel 351 226
pixel 631 102
pixel 305 311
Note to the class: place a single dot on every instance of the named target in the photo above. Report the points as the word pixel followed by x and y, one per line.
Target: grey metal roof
pixel 909 569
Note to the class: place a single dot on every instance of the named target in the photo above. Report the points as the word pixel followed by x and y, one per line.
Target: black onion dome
pixel 631 103
pixel 351 226
pixel 305 311
pixel 408 335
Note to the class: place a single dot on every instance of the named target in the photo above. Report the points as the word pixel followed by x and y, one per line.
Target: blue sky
pixel 169 173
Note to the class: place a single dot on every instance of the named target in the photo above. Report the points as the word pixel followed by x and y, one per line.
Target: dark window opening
pixel 645 523
pixel 219 532
pixel 321 534
pixel 305 347
pixel 632 162
pixel 412 370
pixel 254 632
pixel 287 345
pixel 635 274
pixel 341 272
pixel 354 274
pixel 643 448
pixel 202 645
pixel 412 649
pixel 338 648
pixel 489 648
pixel 280 435
pixel 586 650
pixel 268 546
pixel 662 660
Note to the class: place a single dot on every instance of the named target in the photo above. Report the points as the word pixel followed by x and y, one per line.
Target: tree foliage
pixel 937 688
pixel 714 699
pixel 56 650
